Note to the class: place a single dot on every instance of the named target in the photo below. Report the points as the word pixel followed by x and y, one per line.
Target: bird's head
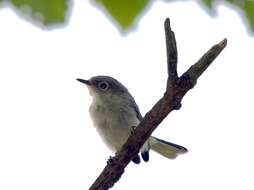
pixel 105 88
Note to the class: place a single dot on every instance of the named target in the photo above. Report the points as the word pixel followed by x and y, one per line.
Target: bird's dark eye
pixel 103 85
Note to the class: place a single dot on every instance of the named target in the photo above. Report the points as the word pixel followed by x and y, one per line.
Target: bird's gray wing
pixel 145 149
pixel 135 107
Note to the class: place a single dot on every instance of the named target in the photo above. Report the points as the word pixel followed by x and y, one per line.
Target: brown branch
pixel 171 53
pixel 176 89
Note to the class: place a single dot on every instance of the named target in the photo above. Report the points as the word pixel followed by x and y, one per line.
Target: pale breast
pixel 113 123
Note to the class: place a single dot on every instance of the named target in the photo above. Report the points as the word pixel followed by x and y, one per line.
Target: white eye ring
pixel 103 85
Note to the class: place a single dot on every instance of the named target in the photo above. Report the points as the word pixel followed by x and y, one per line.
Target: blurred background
pixel 47 140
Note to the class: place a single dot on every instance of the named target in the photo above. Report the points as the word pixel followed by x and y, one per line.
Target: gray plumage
pixel 114 112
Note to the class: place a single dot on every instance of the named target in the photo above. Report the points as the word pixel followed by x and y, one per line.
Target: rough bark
pixel 171 100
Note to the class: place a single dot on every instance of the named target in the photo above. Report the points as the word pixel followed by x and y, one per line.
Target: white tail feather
pixel 167 149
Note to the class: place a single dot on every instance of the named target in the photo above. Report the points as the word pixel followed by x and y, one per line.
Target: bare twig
pixel 176 89
pixel 171 53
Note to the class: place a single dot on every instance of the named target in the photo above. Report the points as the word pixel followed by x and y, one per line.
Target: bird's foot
pixel 133 128
pixel 110 160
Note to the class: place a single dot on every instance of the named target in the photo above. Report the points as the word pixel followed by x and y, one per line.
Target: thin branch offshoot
pixel 177 87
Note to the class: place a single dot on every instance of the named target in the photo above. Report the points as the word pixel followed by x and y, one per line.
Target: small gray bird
pixel 114 112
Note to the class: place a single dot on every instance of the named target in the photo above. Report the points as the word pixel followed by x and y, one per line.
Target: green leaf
pixel 249 12
pixel 48 12
pixel 124 12
pixel 247 7
pixel 208 3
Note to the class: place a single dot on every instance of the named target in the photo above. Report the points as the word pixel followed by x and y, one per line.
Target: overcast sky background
pixel 47 140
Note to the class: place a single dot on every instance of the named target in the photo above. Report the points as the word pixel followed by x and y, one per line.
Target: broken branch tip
pixel 223 43
pixel 167 23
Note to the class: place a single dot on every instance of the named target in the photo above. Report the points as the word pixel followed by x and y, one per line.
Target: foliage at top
pixel 46 12
pixel 246 6
pixel 123 12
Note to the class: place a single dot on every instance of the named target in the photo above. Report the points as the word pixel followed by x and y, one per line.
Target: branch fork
pixel 177 87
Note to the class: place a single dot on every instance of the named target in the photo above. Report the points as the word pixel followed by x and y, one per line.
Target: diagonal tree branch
pixel 176 89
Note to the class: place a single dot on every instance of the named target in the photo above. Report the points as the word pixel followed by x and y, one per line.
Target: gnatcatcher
pixel 114 113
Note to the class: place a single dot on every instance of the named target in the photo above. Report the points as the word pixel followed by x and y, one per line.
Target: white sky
pixel 46 136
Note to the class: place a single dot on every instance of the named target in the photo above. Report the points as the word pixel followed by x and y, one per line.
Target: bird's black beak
pixel 87 82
